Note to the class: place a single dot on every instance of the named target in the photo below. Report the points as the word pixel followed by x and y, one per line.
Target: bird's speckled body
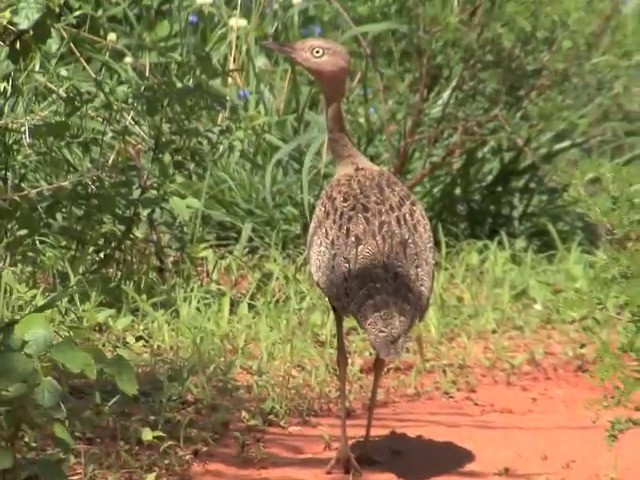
pixel 370 244
pixel 371 253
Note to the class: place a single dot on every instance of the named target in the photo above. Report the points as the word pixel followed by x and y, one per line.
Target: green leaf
pixel 163 28
pixel 374 28
pixel 14 391
pixel 123 322
pixel 15 344
pixel 14 368
pixel 27 12
pixel 7 459
pixel 180 208
pixel 146 434
pixel 124 374
pixel 104 314
pixel 193 203
pixel 7 278
pixel 99 357
pixel 73 358
pixel 28 323
pixel 61 432
pixel 35 330
pixel 38 340
pixel 48 393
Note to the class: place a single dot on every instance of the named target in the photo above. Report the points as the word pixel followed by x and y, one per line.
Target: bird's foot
pixel 347 461
pixel 369 458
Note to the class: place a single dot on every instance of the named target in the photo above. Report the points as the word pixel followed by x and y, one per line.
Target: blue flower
pixel 372 111
pixel 244 94
pixel 192 18
pixel 314 30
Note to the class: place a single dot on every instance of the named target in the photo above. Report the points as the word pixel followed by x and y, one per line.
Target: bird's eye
pixel 317 52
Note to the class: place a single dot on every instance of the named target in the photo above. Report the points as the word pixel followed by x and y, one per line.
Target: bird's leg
pixel 367 457
pixel 344 457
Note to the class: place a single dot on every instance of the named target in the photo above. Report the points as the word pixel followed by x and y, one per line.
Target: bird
pixel 370 245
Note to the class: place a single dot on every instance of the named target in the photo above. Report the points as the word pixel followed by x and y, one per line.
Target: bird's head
pixel 327 61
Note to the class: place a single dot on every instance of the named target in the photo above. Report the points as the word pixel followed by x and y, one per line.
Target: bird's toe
pixel 348 463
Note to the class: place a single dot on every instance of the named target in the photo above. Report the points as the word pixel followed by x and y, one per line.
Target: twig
pixel 77 54
pixel 432 167
pixel 426 87
pixel 453 151
pixel 143 183
pixel 424 90
pixel 522 144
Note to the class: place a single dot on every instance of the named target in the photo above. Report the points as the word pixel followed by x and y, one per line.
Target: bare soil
pixel 536 427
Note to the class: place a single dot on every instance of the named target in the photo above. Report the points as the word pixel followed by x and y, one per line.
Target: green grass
pixel 245 339
pixel 619 425
pixel 215 356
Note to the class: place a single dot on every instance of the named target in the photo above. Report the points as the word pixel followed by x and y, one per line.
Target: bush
pixel 126 131
pixel 32 354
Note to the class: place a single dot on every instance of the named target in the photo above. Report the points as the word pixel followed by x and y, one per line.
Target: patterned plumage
pixel 371 253
pixel 370 245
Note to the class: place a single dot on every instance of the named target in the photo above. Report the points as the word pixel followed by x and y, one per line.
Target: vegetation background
pixel 159 171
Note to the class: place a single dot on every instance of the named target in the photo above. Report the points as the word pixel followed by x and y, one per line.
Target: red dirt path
pixel 537 429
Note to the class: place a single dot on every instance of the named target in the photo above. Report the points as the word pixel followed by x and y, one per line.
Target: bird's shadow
pixel 416 458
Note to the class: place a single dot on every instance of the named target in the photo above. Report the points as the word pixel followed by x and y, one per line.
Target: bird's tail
pixel 387 331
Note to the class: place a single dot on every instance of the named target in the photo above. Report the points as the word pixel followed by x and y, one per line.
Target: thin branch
pixel 415 121
pixel 453 151
pixel 432 167
pixel 135 152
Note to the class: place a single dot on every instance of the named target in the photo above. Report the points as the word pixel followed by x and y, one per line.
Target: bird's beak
pixel 281 48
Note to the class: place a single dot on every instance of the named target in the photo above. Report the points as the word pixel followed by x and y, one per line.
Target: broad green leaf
pixel 146 434
pixel 28 323
pixel 99 357
pixel 7 277
pixel 7 459
pixel 104 314
pixel 124 374
pixel 27 12
pixel 73 358
pixel 180 208
pixel 123 322
pixel 54 43
pixel 193 203
pixel 61 432
pixel 163 28
pixel 36 332
pixel 374 28
pixel 14 368
pixel 14 391
pixel 48 393
pixel 38 340
pixel 16 344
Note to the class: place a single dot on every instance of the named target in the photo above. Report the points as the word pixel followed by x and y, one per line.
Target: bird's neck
pixel 348 158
